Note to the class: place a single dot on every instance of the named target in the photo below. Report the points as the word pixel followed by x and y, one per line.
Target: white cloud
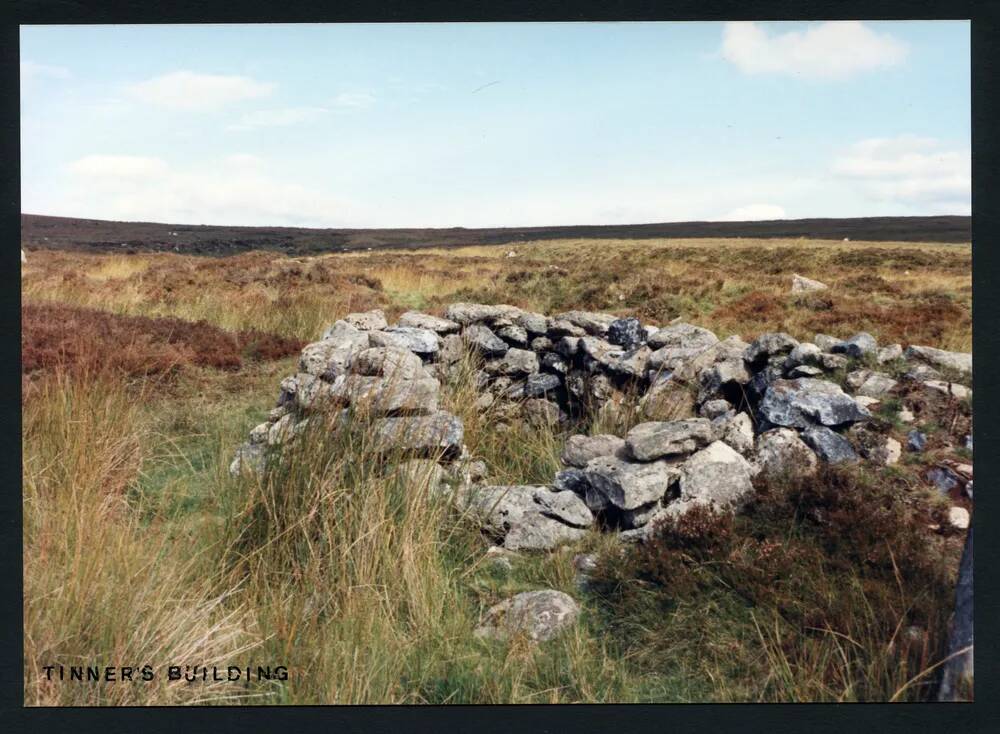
pixel 830 50
pixel 912 171
pixel 755 212
pixel 279 117
pixel 31 70
pixel 354 100
pixel 240 191
pixel 118 167
pixel 187 90
pixel 244 160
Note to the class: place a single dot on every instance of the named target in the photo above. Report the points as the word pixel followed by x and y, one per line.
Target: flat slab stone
pixel 367 320
pixel 529 517
pixel 333 356
pixel 655 439
pixel 438 433
pixel 401 364
pixel 683 335
pixel 419 320
pixel 958 361
pixel 829 445
pixel 579 449
pixel 472 313
pixel 389 394
pixel 514 362
pixel 629 485
pixel 419 341
pixel 593 323
pixel 483 340
pixel 805 402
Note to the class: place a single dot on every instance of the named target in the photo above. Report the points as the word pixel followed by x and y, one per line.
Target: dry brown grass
pixel 111 464
pixel 58 338
pixel 905 292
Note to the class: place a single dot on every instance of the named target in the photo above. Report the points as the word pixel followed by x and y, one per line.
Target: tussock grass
pixel 99 588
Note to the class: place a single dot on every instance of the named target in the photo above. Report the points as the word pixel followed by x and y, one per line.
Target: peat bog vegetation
pixel 143 372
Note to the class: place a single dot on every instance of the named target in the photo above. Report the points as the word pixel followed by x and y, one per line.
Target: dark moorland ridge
pixel 94 235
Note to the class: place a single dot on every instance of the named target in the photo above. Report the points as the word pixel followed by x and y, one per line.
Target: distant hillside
pixel 95 235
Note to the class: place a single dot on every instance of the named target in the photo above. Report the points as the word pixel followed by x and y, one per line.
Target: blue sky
pixel 441 125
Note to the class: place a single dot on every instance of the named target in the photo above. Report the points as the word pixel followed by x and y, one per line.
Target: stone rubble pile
pixel 713 413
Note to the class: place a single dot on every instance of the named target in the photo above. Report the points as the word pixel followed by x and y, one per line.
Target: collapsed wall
pixel 712 413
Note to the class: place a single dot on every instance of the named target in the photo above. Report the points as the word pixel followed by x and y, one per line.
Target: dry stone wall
pixel 713 413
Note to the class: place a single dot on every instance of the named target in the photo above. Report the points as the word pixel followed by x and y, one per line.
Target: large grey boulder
pixel 633 363
pixel 714 380
pixel 829 445
pixel 538 615
pixel 314 394
pixel 367 320
pixel 334 354
pixel 683 335
pixel 528 517
pixel 438 433
pixel 564 506
pixel 534 323
pixel 345 334
pixel 393 362
pixel 593 323
pixel 418 320
pixel 806 401
pixel 560 327
pixel 652 440
pixel 419 341
pixel 716 477
pixel 514 362
pixel 484 341
pixel 960 362
pixel 857 346
pixel 629 485
pixel 731 349
pixel 670 358
pixel 513 334
pixel 579 450
pixel 471 313
pixel 781 452
pixel 380 394
pixel 668 400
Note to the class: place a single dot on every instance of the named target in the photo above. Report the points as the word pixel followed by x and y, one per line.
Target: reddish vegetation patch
pixel 57 337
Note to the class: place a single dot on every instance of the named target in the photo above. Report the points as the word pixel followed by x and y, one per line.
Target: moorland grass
pixel 369 588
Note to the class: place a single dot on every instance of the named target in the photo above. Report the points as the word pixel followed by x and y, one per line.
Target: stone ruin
pixel 710 414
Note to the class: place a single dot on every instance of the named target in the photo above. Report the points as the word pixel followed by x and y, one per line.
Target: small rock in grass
pixel 540 615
